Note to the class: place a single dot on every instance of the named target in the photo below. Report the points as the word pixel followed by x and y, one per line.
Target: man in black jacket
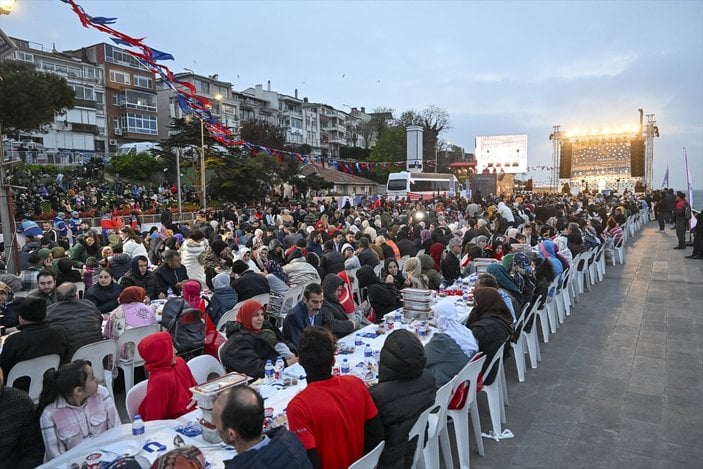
pixel 170 275
pixel 80 318
pixel 332 261
pixel 405 246
pixel 246 282
pixel 35 337
pixel 450 265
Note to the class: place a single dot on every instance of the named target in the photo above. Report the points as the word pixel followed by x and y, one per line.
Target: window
pixel 143 81
pixel 24 56
pixel 397 184
pixel 89 73
pixel 429 186
pixel 116 55
pixel 119 77
pixel 201 86
pixel 85 93
pixel 142 124
pixel 140 101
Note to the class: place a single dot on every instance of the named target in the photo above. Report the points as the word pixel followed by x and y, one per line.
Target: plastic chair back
pixel 437 423
pixel 370 459
pixel 134 398
pixel 133 336
pixel 418 431
pixel 203 366
pixel 100 354
pixel 34 369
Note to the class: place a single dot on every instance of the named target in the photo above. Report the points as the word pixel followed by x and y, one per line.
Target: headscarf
pixel 425 235
pixel 132 295
pixel 329 287
pixel 191 293
pixel 591 236
pixel 488 302
pixel 352 263
pixel 521 272
pixel 446 317
pixel 273 267
pixel 246 313
pixel 221 280
pixel 504 280
pixel 134 267
pixel 547 250
pixel 507 260
pixel 562 250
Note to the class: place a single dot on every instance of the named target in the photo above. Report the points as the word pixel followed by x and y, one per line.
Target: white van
pixel 137 147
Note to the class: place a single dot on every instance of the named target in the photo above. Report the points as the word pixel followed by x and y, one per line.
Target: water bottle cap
pixel 137 417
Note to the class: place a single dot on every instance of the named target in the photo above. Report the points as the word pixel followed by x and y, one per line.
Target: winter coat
pixel 384 297
pixel 120 264
pixel 250 284
pixel 332 262
pixel 222 300
pixel 167 395
pixel 444 358
pixel 368 257
pixel 427 264
pixel 332 315
pixel 405 389
pixel 81 320
pixel 134 279
pixel 190 253
pixel 247 352
pixel 300 272
pixel 105 298
pixel 166 278
pixel 283 450
pixel 491 332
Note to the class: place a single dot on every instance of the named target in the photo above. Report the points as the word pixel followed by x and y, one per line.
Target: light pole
pixel 6 6
pixel 202 164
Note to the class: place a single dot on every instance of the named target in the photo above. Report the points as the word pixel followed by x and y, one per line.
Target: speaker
pixel 566 152
pixel 637 158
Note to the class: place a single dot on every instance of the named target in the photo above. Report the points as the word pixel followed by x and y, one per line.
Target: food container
pixel 205 394
pixel 210 433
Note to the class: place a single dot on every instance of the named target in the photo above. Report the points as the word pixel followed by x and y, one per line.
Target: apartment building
pixel 223 101
pixel 79 132
pixel 130 95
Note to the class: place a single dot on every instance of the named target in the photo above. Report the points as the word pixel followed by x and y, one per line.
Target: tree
pixel 433 120
pixel 370 129
pixel 139 167
pixel 30 99
pixel 262 132
pixel 391 145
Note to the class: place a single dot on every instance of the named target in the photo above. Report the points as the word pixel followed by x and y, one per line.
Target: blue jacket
pixel 284 450
pixel 296 321
pixel 222 301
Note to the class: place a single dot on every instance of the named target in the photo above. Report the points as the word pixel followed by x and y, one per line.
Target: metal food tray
pixel 416 294
pixel 218 385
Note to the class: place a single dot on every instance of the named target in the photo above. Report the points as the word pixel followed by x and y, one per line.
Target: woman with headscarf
pixel 252 341
pixel 223 298
pixel 391 274
pixel 451 347
pixel 260 256
pixel 217 258
pixel 590 237
pixel 384 297
pixel 505 282
pixel 490 322
pixel 413 269
pixel 332 314
pixel 427 263
pixel 192 294
pixel 66 272
pixel 132 312
pixel 139 275
pixel 562 252
pixel 245 256
pixel 482 228
pixel 523 275
pixel 425 239
pixel 575 239
pixel 547 250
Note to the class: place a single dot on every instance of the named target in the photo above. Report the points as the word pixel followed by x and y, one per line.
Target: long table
pixel 276 398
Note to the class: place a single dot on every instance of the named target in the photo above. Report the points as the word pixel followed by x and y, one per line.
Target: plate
pixel 121 448
pixel 267 391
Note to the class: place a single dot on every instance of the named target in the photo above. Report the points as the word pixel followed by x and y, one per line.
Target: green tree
pixel 391 145
pixel 139 167
pixel 30 99
pixel 433 120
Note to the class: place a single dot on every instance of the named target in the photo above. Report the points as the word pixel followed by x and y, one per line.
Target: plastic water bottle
pixel 268 372
pixel 278 368
pixel 138 427
pixel 358 342
pixel 368 353
pixel 345 367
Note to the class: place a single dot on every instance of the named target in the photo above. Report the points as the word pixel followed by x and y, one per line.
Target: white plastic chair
pixel 292 298
pixel 203 366
pixel 378 269
pixel 497 392
pixel 547 314
pixel 519 345
pixel 133 336
pixel 99 354
pixel 531 338
pixel 460 417
pixel 418 430
pixel 263 298
pixel 134 398
pixel 370 459
pixel 401 263
pixel 34 369
pixel 437 425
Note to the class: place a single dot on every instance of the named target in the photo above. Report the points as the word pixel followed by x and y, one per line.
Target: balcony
pixel 84 128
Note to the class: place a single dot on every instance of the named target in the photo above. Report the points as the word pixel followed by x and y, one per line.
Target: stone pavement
pixel 620 384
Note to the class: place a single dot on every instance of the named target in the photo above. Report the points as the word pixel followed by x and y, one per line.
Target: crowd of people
pixel 333 252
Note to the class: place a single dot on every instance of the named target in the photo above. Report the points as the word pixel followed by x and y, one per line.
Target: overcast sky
pixel 497 67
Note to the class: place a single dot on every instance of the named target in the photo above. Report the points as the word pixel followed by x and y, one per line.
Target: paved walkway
pixel 620 384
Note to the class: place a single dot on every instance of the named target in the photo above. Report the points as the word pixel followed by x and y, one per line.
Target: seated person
pixel 490 322
pixel 66 271
pixel 223 298
pixel 35 338
pixel 252 340
pixel 170 275
pixel 73 407
pixel 304 314
pixel 104 294
pixel 451 347
pixel 248 283
pixel 132 312
pixel 238 414
pixel 391 273
pixel 168 389
pixel 384 297
pixel 332 313
pixel 140 276
pixel 331 406
pixel 405 389
pixel 21 444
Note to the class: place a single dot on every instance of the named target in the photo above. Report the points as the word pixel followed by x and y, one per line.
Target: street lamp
pixel 6 6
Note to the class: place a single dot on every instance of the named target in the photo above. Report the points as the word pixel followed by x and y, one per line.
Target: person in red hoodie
pixel 167 394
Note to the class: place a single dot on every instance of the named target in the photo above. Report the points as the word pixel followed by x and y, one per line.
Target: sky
pixel 498 68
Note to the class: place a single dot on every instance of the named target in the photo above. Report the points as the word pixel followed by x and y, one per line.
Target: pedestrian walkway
pixel 620 384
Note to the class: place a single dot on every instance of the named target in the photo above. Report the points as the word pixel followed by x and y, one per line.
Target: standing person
pixel 132 244
pixel 191 252
pixel 73 407
pixel 331 406
pixel 698 240
pixel 681 212
pixel 238 415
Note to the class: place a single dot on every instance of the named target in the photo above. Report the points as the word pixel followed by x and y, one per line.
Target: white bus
pixel 420 185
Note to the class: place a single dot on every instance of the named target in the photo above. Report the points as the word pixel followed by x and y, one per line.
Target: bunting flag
pixel 665 181
pixel 689 185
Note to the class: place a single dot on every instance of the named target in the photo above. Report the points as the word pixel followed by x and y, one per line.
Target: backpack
pixel 186 327
pixel 687 212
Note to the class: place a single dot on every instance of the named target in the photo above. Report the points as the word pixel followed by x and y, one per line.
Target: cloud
pixel 595 67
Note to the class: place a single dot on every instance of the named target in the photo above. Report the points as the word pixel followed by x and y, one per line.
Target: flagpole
pixel 689 185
